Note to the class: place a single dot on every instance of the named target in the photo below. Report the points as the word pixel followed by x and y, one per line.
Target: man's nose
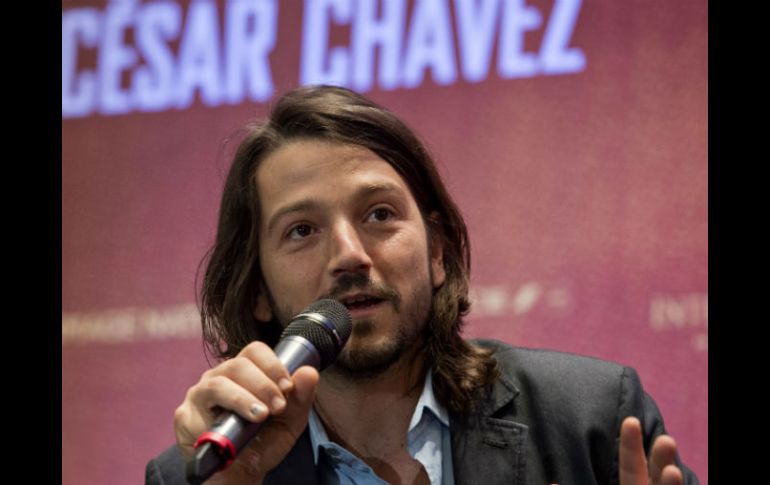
pixel 348 252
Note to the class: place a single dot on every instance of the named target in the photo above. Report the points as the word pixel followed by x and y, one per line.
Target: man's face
pixel 339 222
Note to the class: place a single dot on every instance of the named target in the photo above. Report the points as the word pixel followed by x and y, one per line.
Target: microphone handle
pixel 216 448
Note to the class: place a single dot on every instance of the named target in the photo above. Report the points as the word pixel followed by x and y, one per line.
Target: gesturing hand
pixel 634 466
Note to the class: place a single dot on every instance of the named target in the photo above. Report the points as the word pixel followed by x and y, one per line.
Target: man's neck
pixel 355 411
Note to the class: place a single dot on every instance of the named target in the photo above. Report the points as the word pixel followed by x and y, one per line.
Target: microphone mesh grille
pixel 321 338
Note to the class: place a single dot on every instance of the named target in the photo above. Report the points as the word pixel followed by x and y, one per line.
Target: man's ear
pixel 436 250
pixel 262 311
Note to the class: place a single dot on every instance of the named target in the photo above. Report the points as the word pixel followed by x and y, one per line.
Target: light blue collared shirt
pixel 428 441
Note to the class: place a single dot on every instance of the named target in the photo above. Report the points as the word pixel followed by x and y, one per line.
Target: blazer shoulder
pixel 554 373
pixel 513 360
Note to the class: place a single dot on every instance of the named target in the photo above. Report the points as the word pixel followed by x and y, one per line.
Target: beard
pixel 369 360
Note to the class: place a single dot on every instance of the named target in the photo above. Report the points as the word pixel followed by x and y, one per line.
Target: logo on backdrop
pixel 682 313
pixel 223 55
pixel 131 325
pixel 489 301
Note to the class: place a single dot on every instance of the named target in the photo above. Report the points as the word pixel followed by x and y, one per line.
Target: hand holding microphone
pixel 252 386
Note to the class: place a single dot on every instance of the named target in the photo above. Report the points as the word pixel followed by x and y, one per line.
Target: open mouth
pixel 361 302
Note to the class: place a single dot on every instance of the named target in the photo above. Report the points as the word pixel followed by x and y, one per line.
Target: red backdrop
pixel 573 135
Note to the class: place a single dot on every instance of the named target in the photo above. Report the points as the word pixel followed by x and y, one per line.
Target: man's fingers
pixel 662 455
pixel 671 475
pixel 219 393
pixel 633 464
pixel 266 359
pixel 278 437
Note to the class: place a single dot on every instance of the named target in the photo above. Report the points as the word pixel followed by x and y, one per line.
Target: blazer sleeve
pixel 634 401
pixel 167 469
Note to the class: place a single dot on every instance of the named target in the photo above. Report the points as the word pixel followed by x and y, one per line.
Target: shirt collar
pixel 428 400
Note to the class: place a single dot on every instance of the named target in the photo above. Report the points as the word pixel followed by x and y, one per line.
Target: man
pixel 334 197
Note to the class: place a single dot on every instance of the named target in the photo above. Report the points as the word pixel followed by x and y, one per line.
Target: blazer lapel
pixel 487 449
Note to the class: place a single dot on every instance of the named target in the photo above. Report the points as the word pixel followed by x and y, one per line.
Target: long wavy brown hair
pixel 233 276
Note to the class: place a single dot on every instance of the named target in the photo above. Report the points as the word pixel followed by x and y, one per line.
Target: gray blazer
pixel 550 418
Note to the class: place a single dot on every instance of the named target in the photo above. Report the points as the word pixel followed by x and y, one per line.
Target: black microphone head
pixel 326 324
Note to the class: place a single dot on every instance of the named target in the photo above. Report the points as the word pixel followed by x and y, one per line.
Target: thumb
pixel 277 438
pixel 300 399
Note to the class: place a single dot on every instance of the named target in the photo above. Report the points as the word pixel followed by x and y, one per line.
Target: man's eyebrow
pixel 374 188
pixel 302 205
pixel 311 204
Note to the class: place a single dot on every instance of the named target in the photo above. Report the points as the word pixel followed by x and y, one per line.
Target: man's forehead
pixel 301 159
pixel 313 169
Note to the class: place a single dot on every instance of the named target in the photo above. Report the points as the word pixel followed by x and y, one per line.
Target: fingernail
pixel 285 384
pixel 258 409
pixel 278 403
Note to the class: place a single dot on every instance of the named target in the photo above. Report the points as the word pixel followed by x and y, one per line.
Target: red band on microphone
pixel 222 443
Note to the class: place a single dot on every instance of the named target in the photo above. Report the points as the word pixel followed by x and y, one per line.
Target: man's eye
pixel 300 231
pixel 380 214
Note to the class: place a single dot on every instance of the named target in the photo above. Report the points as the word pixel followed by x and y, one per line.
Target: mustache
pixel 362 282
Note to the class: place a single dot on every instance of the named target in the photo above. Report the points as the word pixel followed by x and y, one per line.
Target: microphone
pixel 314 337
